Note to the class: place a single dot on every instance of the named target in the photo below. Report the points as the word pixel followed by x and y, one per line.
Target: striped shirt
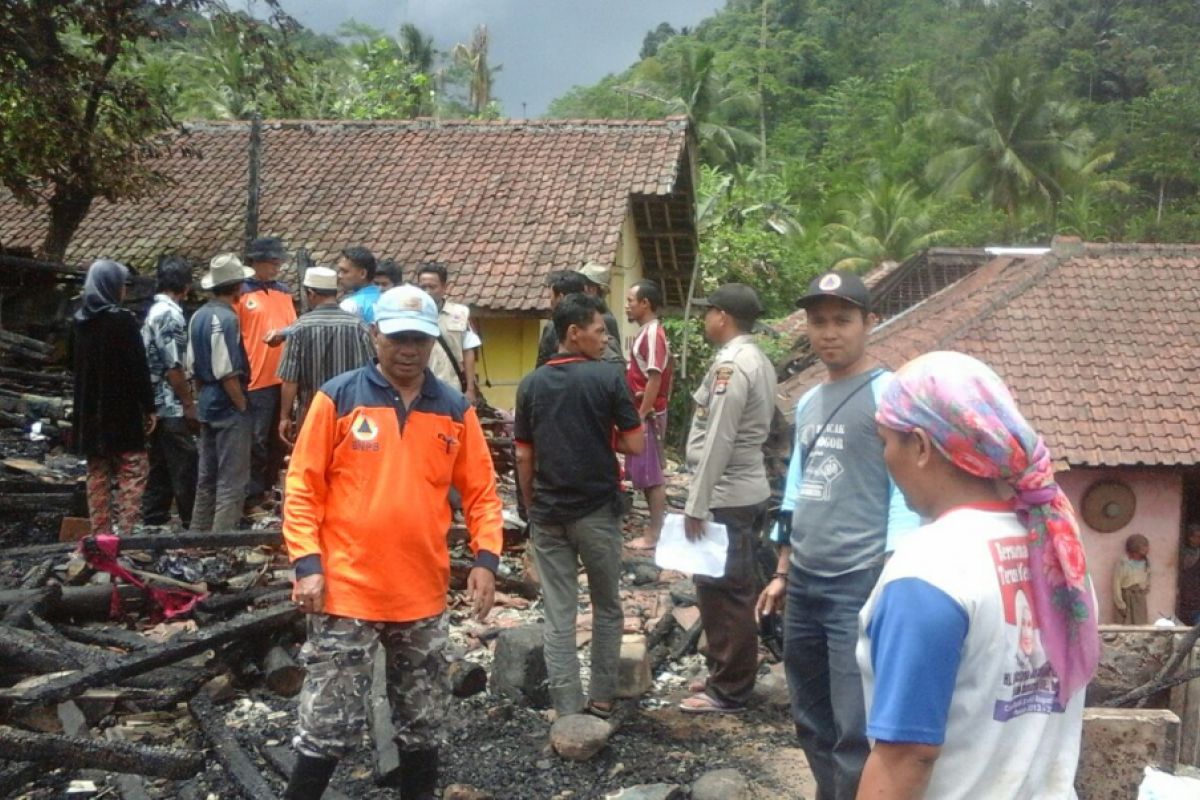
pixel 321 345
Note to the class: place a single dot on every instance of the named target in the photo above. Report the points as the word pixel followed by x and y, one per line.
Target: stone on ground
pixel 683 593
pixel 633 675
pixel 648 791
pixel 462 791
pixel 771 689
pixel 721 784
pixel 579 736
pixel 519 669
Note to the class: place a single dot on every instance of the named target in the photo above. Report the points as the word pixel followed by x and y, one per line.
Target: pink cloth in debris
pixel 101 552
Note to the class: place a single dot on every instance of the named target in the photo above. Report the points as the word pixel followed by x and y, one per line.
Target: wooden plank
pixel 244 627
pixel 164 541
pixel 162 762
pixel 239 768
pixel 25 343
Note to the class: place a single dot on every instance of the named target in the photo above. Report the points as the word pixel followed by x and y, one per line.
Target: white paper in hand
pixel 705 557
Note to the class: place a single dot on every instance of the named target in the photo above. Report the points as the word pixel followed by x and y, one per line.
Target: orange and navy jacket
pixel 262 308
pixel 367 495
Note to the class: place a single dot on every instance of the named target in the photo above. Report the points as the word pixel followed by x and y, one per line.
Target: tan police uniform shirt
pixel 455 323
pixel 734 406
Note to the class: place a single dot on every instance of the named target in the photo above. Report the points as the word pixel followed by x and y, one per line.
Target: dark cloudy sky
pixel 545 46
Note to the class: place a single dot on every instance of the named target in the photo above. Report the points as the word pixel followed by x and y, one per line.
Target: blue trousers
pixel 820 635
pixel 266 451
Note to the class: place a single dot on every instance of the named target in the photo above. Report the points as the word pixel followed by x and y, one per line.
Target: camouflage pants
pixel 335 700
pixel 115 485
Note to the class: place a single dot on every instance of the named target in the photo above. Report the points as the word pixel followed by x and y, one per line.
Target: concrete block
pixel 633 675
pixel 1118 743
pixel 519 670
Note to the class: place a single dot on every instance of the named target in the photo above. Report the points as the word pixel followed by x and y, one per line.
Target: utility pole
pixel 252 189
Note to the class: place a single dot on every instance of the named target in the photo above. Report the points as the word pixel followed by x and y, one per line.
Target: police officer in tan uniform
pixel 454 354
pixel 734 406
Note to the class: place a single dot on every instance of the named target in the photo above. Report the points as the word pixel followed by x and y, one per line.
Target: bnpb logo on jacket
pixel 365 432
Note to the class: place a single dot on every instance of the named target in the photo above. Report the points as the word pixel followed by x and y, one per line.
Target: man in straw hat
pixel 217 362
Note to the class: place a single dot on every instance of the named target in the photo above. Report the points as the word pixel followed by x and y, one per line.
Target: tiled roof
pixel 500 203
pixel 1101 347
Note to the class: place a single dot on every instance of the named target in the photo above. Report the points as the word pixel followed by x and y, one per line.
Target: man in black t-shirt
pixel 571 414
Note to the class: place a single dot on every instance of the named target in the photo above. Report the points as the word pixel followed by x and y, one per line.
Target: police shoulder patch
pixel 721 379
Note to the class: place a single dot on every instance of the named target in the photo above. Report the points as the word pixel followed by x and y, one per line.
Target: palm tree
pixel 889 222
pixel 1011 143
pixel 417 48
pixel 691 84
pixel 474 57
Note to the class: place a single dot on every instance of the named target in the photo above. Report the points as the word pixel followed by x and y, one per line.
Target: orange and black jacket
pixel 366 500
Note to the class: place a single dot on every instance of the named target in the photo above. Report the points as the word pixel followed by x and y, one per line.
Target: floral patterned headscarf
pixel 973 420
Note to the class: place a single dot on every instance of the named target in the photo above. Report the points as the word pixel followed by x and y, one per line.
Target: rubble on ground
pixel 105 695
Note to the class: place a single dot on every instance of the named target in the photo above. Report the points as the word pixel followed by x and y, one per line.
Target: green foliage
pixel 883 126
pixel 75 118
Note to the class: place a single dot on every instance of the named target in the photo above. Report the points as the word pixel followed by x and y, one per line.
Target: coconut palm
pixel 889 222
pixel 1011 144
pixel 690 83
pixel 474 57
pixel 417 48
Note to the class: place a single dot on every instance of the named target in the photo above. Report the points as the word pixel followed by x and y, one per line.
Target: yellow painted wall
pixel 510 343
pixel 628 271
pixel 509 353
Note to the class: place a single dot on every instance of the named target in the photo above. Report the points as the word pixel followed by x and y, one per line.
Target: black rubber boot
pixel 419 774
pixel 309 778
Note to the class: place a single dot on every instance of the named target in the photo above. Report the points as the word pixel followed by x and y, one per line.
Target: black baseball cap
pixel 837 283
pixel 736 299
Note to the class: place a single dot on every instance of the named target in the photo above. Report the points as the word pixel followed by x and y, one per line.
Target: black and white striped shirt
pixel 321 345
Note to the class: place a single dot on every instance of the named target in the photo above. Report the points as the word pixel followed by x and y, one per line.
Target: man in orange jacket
pixel 365 522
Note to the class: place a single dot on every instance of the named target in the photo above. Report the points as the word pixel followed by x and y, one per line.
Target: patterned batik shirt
pixel 165 335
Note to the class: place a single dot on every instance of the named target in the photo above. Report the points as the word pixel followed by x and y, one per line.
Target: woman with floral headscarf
pixel 980 637
pixel 114 402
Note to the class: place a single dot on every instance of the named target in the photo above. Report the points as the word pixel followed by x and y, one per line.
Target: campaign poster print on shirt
pixel 824 467
pixel 1030 685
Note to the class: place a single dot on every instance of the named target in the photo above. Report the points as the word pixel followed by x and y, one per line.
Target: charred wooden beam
pixel 164 541
pixel 37 265
pixel 161 762
pixel 92 602
pixel 281 674
pixel 36 501
pixel 14 776
pixel 39 602
pixel 239 768
pixel 32 653
pixel 284 761
pixel 245 626
pixel 217 604
pixel 461 568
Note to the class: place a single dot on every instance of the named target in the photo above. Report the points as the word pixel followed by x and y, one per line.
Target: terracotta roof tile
pixel 501 204
pixel 1101 349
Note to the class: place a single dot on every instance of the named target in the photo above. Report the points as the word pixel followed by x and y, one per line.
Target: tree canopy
pixel 884 126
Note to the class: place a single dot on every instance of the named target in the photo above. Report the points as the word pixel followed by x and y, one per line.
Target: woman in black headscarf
pixel 114 403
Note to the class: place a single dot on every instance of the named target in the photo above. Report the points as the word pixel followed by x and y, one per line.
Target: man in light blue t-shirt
pixel 840 514
pixel 356 280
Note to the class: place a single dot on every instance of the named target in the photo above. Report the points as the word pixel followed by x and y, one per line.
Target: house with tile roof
pixel 501 204
pixel 1100 344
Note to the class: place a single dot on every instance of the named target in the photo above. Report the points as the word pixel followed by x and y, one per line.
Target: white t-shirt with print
pixel 951 655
